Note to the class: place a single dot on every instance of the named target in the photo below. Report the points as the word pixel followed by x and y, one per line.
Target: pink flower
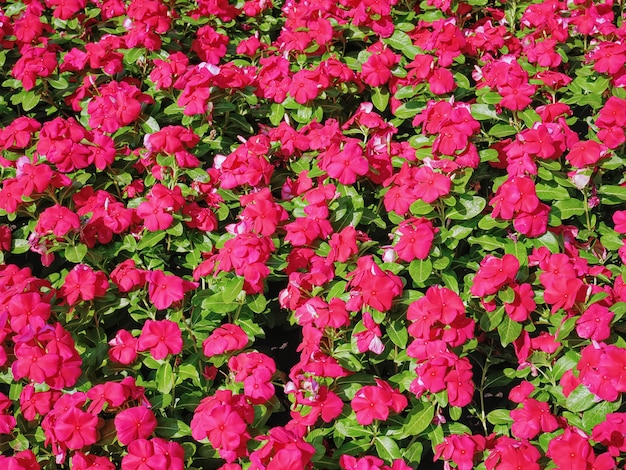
pixel 595 323
pixel 165 289
pixel 83 283
pixel 533 418
pixel 225 339
pixel 142 456
pixel 76 428
pixel 161 338
pixel 57 219
pixel 134 423
pixel 123 348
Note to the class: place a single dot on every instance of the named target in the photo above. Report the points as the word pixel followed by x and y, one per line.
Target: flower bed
pixel 352 234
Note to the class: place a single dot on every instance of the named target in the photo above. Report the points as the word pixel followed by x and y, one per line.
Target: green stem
pixel 587 217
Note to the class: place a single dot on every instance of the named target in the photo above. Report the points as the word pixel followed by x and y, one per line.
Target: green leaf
pixel 171 428
pixel 483 112
pixel 509 331
pixel 530 117
pixel 231 289
pixel 580 399
pixel 216 304
pixel 257 304
pixel 348 427
pixel 419 418
pixel 75 254
pixel 409 109
pixel 380 98
pixel 398 333
pixel 502 130
pixel 413 454
pixel 151 125
pixel 150 239
pixel 277 112
pixel 402 42
pixel 350 207
pixel 488 223
pixel 551 192
pixel 20 246
pixel 499 417
pixel 506 295
pixel 420 270
pixel 455 412
pixel 462 81
pixel 164 378
pixel 467 207
pixel 30 100
pixel 517 249
pixel 419 207
pixel 387 448
pixel 487 242
pixel 566 208
pixel 405 92
pixel 58 84
pixel 547 240
pixel 597 414
pixel 616 192
pixel 489 155
pixel 489 321
pixel 490 97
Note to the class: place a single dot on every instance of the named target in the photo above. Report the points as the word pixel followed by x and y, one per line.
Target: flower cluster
pixel 274 234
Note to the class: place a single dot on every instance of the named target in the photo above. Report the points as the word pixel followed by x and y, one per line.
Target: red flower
pixel 374 402
pixel 111 394
pixel 515 195
pixel 493 274
pixel 161 338
pixel 376 70
pixel 165 289
pixel 429 186
pixel 512 454
pixel 123 348
pixel 34 403
pixel 28 309
pixel 619 219
pixel 142 455
pixel 82 461
pixel 523 303
pixel 595 323
pixel 127 277
pixel 585 153
pixel 572 451
pixel 76 428
pixel 83 283
pixel 533 418
pixel 345 164
pixel 134 423
pixel 369 339
pixel 516 96
pixel 461 449
pixel 415 239
pixel 368 462
pixel 226 338
pixel 304 86
pixel 5 238
pixel 325 404
pixel 24 460
pixel 343 244
pixel 58 220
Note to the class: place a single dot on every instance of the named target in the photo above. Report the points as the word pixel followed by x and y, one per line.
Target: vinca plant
pixel 291 234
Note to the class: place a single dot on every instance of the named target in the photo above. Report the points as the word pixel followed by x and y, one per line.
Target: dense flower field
pixel 334 234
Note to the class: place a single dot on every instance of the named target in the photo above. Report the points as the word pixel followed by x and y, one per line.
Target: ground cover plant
pixel 312 234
